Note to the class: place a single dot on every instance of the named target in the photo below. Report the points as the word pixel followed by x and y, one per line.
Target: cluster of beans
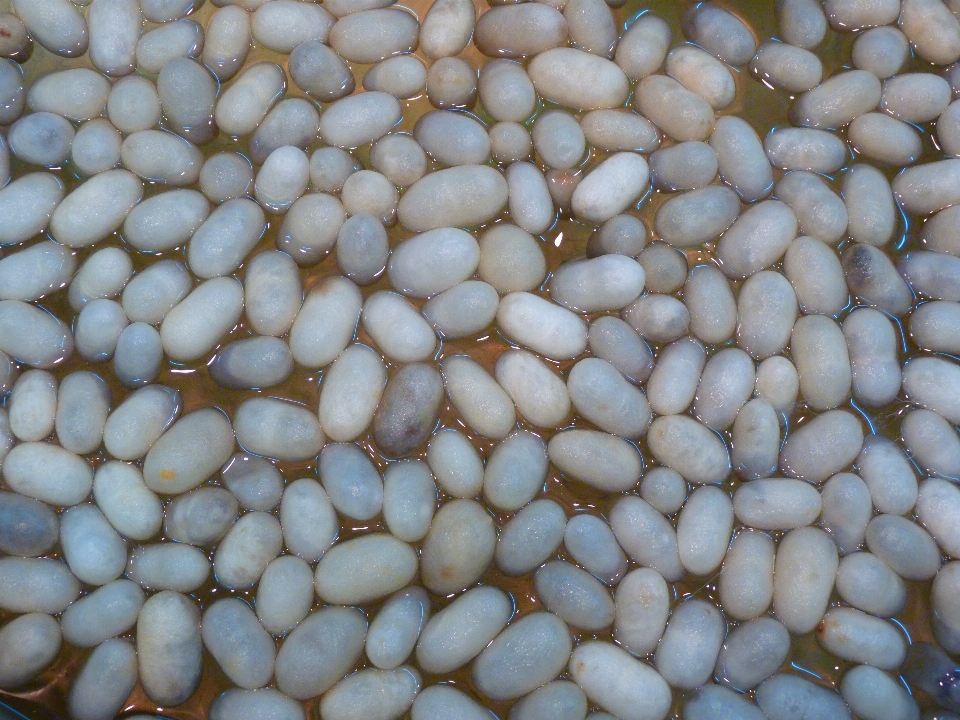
pixel 694 458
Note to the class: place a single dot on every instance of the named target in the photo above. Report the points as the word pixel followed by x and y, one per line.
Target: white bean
pixel 114 27
pixel 409 499
pixel 447 28
pixel 867 583
pixel 168 566
pixel 515 471
pixel 387 312
pixel 880 137
pixel 239 644
pixel 742 162
pixel 766 311
pixel 643 46
pixel 376 694
pixel 511 259
pixel 244 105
pixel 246 550
pixel 26 206
pixel 603 461
pixel 397 626
pixel 169 647
pixel 646 536
pixel 872 277
pixel 678 112
pixel 133 104
pixel 560 75
pixel 757 239
pixel 41 138
pixel 460 631
pixel 726 383
pixel 27 527
pixel 29 644
pixel 642 607
pixel 32 406
pixel 181 38
pixel 903 545
pixel 463 196
pixel 854 635
pixel 699 71
pixel 133 427
pixel 847 509
pixel 96 208
pixel 871 693
pixel 458 548
pixel 308 520
pixel 369 36
pixel 752 652
pixel 108 677
pixel 358 374
pixel 432 262
pixel 264 702
pixel 928 187
pixel 47 473
pixel 351 480
pixel 713 310
pixel 319 651
pixel 610 129
pixel 531 537
pixel 531 651
pixel 326 322
pixel 620 683
pixel 806 566
pixel 281 25
pixel 189 452
pixel 697 216
pixel 690 646
pixel 365 568
pixel 227 42
pixel 613 340
pixel 819 351
pixel 669 438
pixel 445 701
pixel 932 30
pixel 747 580
pixel 455 463
pixel 837 101
pixel 805 149
pixel 611 187
pixel 721 32
pixel 664 489
pixel 783 691
pixel 814 270
pixel 162 156
pixel 684 166
pixel 539 395
pixel 277 429
pixel 123 497
pixel 756 440
pixel 881 50
pixel 777 504
pixel 785 65
pixel 703 530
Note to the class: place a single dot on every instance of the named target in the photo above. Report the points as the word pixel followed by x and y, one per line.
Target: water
pixel 759 105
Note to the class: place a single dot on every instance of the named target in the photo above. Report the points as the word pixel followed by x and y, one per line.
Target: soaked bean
pixel 369 36
pixel 720 32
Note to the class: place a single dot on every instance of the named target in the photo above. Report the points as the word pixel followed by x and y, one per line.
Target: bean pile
pixel 361 363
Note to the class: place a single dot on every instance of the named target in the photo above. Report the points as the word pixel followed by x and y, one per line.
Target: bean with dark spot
pixel 872 277
pixel 27 527
pixel 254 362
pixel 409 410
